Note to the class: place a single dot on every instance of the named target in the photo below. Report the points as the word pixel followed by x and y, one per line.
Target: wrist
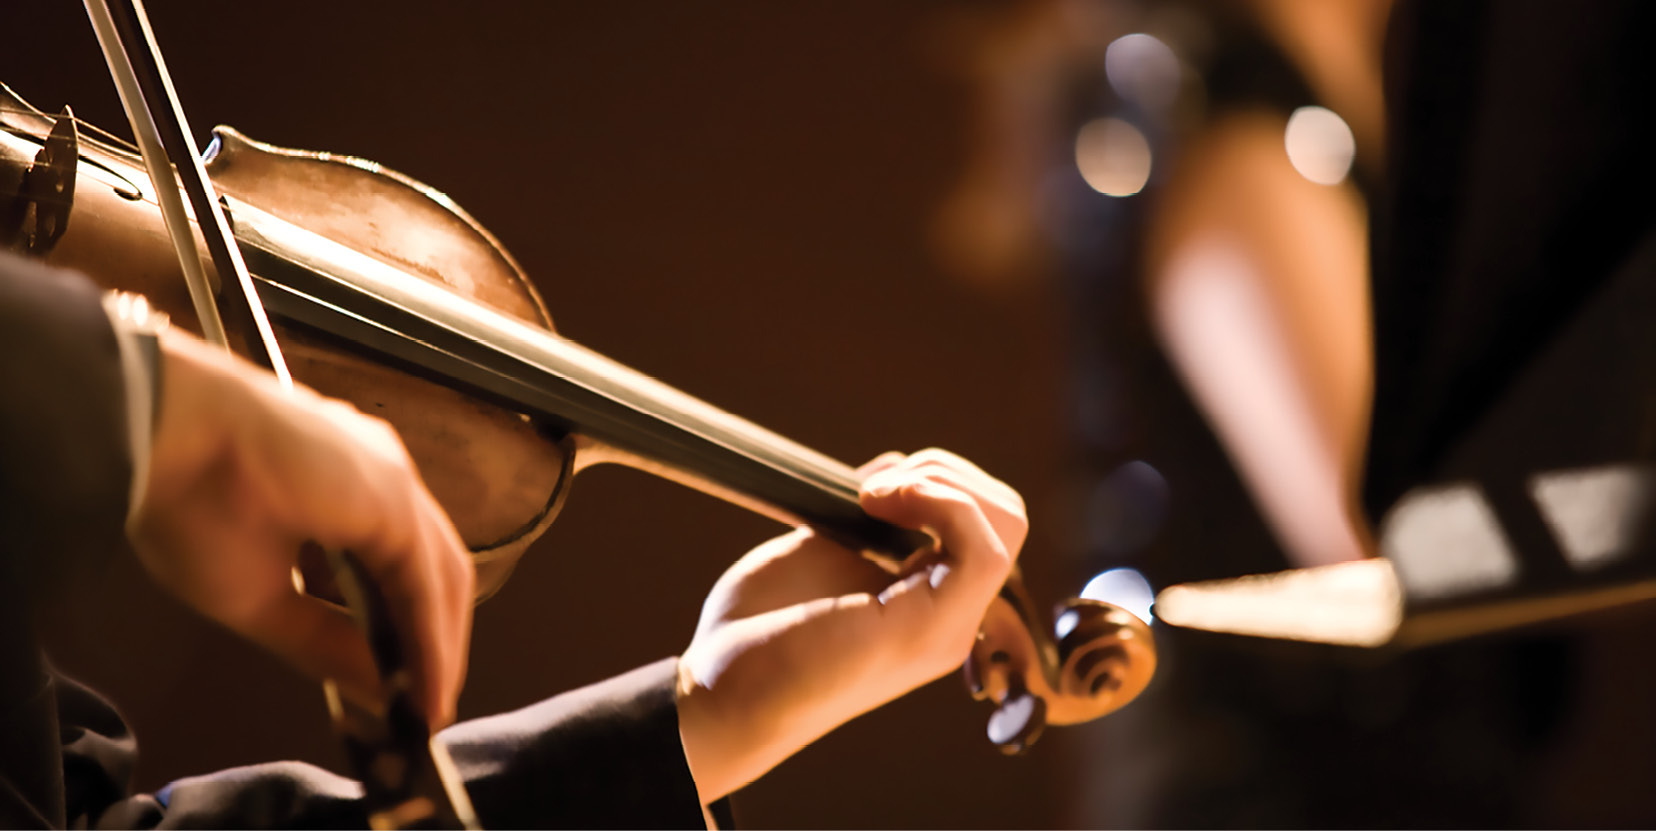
pixel 193 408
pixel 720 759
pixel 732 736
pixel 692 732
pixel 138 329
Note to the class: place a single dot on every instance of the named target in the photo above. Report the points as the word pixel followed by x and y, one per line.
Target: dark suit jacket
pixel 603 756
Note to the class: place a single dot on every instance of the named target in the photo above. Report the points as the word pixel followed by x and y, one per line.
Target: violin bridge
pixel 35 217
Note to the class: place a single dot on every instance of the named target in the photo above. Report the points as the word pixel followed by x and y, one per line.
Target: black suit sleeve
pixel 65 469
pixel 65 475
pixel 604 756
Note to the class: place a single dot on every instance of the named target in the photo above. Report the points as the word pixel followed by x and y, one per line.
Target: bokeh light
pixel 1320 145
pixel 1114 157
pixel 1142 70
pixel 1124 587
pixel 1126 509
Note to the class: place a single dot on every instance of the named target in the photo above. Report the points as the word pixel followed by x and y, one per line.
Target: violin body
pixel 499 476
pixel 499 456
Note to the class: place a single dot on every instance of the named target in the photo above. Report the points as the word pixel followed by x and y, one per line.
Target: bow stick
pixel 408 777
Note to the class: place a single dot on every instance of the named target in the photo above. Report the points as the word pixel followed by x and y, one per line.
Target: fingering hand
pixel 802 634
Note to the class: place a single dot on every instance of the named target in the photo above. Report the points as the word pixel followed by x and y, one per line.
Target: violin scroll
pixel 1097 658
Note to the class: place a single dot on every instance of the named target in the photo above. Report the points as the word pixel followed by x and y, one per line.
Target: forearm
pixel 1257 284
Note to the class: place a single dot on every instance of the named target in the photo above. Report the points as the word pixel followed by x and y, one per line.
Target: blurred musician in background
pixel 1199 178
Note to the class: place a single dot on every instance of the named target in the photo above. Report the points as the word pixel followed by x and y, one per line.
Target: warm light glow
pixel 1142 70
pixel 1357 603
pixel 1124 587
pixel 1320 145
pixel 1114 157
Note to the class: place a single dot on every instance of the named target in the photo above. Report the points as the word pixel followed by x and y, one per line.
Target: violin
pixel 386 294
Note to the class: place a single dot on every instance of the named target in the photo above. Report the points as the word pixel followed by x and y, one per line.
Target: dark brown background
pixel 732 197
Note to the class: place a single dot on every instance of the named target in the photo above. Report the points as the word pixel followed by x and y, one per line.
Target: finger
pixel 461 582
pixel 322 641
pixel 970 472
pixel 975 561
pixel 1003 506
pixel 427 590
pixel 378 510
pixel 884 461
pixel 969 476
pixel 415 559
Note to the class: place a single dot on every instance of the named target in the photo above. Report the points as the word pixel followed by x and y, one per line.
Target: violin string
pixel 99 132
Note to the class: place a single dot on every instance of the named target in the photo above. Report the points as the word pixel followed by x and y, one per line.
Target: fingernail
pixel 880 485
pixel 881 490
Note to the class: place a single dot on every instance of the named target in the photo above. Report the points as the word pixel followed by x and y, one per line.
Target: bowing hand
pixel 244 472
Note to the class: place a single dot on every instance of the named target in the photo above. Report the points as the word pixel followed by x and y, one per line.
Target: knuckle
pixel 386 442
pixel 1016 503
pixel 939 472
pixel 946 495
pixel 934 456
pixel 340 409
pixel 380 428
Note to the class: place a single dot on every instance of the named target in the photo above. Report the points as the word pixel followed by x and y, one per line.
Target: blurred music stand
pixel 1542 512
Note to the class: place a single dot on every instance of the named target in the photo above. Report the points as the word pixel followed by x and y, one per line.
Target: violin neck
pixel 308 279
